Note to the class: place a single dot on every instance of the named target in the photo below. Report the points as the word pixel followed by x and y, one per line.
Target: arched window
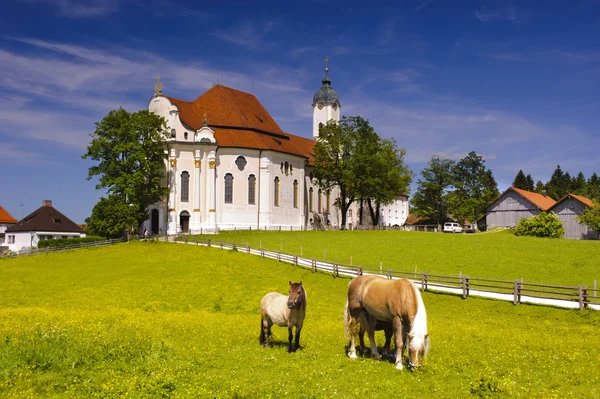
pixel 350 213
pixel 185 187
pixel 251 190
pixel 276 191
pixel 328 209
pixel 185 135
pixel 173 133
pixel 295 193
pixel 286 167
pixel 319 202
pixel 241 163
pixel 310 199
pixel 229 188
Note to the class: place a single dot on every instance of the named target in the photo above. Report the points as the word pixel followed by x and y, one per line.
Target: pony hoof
pixel 399 366
pixel 352 356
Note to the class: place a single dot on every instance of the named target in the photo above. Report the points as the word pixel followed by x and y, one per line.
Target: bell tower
pixel 326 103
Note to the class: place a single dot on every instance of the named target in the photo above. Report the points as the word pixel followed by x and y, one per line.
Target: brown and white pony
pixel 372 299
pixel 284 311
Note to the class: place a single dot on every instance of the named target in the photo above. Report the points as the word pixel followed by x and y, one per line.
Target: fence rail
pixel 36 251
pixel 517 291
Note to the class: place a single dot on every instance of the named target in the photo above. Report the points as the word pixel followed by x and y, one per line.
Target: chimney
pixel 47 203
pixel 544 193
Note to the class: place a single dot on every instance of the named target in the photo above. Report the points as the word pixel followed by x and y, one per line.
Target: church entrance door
pixel 154 221
pixel 184 221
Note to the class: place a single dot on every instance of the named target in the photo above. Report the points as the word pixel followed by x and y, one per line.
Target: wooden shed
pixel 512 205
pixel 567 209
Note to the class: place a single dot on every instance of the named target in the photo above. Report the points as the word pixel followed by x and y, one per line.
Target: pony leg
pixel 297 340
pixel 398 333
pixel 290 338
pixel 265 327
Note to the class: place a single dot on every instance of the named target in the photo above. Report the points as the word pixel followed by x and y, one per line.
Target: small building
pixel 512 205
pixel 6 221
pixel 394 214
pixel 567 208
pixel 45 223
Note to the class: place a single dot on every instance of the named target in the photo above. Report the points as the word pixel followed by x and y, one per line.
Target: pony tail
pixel 350 323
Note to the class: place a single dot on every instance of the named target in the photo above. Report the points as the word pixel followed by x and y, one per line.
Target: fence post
pixel 335 270
pixel 424 281
pixel 465 287
pixel 208 241
pixel 389 274
pixel 234 246
pixel 586 299
pixel 196 240
pixel 517 292
pixel 359 271
pixel 278 257
pixel 221 244
pixel 262 253
pixel 580 295
pixel 248 248
pixel 296 260
pixel 314 266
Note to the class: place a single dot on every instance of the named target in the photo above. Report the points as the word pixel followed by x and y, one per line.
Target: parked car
pixel 450 227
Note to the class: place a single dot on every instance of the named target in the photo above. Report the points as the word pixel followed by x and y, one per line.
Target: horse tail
pixel 350 323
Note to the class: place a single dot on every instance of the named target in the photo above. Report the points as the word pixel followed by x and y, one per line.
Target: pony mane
pixel 419 324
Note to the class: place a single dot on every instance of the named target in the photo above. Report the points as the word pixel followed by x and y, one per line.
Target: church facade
pixel 231 166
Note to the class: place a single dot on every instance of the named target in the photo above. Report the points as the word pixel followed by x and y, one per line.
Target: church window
pixel 350 213
pixel 334 106
pixel 320 105
pixel 319 201
pixel 282 167
pixel 241 163
pixel 291 169
pixel 185 135
pixel 295 193
pixel 185 187
pixel 310 199
pixel 229 188
pixel 173 133
pixel 276 191
pixel 286 167
pixel 251 190
pixel 328 209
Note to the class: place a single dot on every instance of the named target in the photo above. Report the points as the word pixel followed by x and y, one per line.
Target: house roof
pixel 583 200
pixel 45 218
pixel 240 120
pixel 541 201
pixel 6 217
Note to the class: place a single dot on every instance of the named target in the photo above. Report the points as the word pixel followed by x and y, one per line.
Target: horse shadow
pixel 275 343
pixel 365 353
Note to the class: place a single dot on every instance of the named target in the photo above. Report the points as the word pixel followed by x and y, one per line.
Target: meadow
pixel 150 319
pixel 490 255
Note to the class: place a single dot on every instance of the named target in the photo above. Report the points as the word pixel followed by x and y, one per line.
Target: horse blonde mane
pixel 419 324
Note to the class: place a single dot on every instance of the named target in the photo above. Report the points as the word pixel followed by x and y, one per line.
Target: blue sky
pixel 515 81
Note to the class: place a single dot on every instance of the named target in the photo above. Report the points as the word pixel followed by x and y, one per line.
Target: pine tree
pixel 520 181
pixel 592 189
pixel 578 184
pixel 558 186
pixel 530 183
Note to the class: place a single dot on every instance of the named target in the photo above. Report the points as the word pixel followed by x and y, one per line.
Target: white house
pixel 396 213
pixel 45 223
pixel 230 165
pixel 6 220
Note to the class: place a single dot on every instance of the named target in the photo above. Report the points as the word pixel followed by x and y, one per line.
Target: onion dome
pixel 326 95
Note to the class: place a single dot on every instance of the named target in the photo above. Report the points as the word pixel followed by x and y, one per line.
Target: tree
pixel 350 155
pixel 521 181
pixel 111 217
pixel 592 188
pixel 474 188
pixel 130 151
pixel 578 184
pixel 429 200
pixel 530 183
pixel 559 184
pixel 591 217
pixel 539 187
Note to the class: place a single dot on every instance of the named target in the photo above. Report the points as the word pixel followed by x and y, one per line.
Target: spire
pixel 326 80
pixel 158 87
pixel 326 95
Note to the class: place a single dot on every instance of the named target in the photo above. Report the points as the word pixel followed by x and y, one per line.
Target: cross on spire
pixel 326 64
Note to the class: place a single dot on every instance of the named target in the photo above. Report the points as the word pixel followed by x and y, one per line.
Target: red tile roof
pixel 5 217
pixel 583 200
pixel 539 200
pixel 239 120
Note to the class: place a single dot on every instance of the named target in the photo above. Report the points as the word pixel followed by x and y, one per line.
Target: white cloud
pixel 77 9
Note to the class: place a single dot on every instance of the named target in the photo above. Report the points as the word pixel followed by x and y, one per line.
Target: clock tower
pixel 326 104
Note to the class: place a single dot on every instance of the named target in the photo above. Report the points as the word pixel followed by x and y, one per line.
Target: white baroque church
pixel 231 166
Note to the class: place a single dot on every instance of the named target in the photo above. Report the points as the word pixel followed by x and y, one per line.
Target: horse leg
pixel 371 333
pixel 290 337
pixel 265 327
pixel 388 340
pixel 361 338
pixel 398 333
pixel 297 341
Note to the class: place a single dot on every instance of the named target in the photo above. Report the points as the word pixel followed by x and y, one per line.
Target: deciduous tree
pixel 130 151
pixel 430 199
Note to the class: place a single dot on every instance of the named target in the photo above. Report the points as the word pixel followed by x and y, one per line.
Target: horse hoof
pixel 399 366
pixel 352 356
pixel 376 357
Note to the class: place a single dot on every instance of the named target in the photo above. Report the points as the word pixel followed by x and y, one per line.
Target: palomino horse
pixel 285 311
pixel 372 299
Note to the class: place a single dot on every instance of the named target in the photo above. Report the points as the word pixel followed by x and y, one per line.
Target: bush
pixel 542 225
pixel 68 241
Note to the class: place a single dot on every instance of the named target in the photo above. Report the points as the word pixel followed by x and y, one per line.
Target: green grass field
pixel 168 320
pixel 495 255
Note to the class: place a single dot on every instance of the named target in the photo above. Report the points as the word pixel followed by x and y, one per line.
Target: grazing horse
pixel 372 299
pixel 285 311
pixel 388 329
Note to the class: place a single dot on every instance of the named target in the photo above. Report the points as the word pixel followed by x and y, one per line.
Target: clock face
pixel 334 105
pixel 320 105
